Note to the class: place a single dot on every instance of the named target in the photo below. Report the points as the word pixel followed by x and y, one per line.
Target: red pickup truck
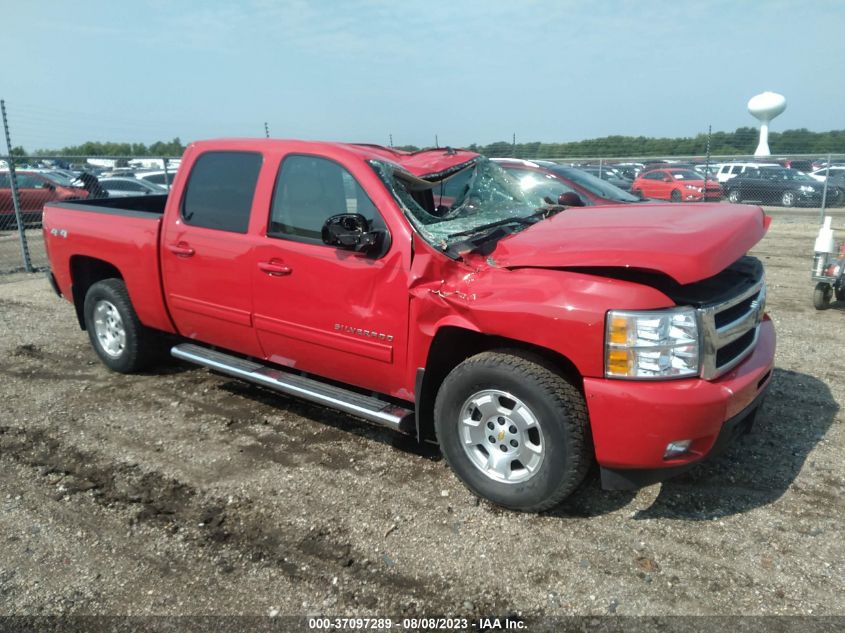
pixel 528 339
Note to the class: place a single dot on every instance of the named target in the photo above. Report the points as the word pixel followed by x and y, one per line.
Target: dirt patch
pixel 184 492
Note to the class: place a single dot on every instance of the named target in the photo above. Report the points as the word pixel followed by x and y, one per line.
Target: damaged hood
pixel 685 242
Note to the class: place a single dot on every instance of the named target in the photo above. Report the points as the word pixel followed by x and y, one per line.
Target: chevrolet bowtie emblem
pixel 501 435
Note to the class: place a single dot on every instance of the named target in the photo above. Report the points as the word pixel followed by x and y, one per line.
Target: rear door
pixel 206 251
pixel 321 309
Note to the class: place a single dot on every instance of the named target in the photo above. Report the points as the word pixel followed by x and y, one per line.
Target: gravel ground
pixel 184 492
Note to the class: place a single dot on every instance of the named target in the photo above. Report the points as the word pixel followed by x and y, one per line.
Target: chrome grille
pixel 729 330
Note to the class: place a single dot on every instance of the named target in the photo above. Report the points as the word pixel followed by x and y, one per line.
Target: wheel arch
pixel 85 271
pixel 454 344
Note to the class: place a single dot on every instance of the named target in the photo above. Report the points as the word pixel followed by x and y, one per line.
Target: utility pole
pixel 16 201
pixel 391 139
pixel 707 159
pixel 436 141
pixel 513 145
pixel 266 130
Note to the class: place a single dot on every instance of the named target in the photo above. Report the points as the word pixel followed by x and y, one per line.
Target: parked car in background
pixel 124 187
pixel 34 191
pixel 160 178
pixel 609 174
pixel 629 170
pixel 800 164
pixel 549 180
pixel 734 168
pixel 778 185
pixel 678 185
pixel 821 174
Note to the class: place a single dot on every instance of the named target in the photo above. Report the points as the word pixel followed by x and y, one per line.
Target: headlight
pixel 652 344
pixel 693 187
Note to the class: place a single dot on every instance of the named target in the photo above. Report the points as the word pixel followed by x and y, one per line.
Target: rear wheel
pixel 513 430
pixel 822 295
pixel 734 196
pixel 675 196
pixel 116 334
pixel 788 199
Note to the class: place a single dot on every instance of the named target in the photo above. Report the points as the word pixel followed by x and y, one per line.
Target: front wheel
pixel 734 196
pixel 822 295
pixel 513 430
pixel 675 196
pixel 788 199
pixel 116 334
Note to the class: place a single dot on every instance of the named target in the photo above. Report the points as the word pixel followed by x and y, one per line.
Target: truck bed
pixel 132 206
pixel 120 233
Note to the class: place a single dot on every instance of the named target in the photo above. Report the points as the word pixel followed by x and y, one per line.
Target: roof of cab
pixel 420 163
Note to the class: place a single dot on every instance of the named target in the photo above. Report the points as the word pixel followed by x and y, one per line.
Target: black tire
pixel 734 196
pixel 788 199
pixel 675 196
pixel 560 412
pixel 839 293
pixel 141 345
pixel 822 295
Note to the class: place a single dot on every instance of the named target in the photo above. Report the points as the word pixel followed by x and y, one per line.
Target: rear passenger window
pixel 309 190
pixel 220 190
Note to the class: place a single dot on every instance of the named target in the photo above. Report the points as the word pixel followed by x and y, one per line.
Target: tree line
pixel 741 141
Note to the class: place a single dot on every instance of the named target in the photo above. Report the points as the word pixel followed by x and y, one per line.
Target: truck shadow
pixel 337 420
pixel 760 467
pixel 755 471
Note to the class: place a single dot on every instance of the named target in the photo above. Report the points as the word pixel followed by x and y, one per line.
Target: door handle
pixel 181 249
pixel 275 268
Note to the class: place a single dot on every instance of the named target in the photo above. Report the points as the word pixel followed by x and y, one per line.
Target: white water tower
pixel 765 107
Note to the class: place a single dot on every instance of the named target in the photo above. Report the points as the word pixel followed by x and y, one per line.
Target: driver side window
pixel 309 190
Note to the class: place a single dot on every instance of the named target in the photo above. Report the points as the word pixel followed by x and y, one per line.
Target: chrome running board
pixel 367 407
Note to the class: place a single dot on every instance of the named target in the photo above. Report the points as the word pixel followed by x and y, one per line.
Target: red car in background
pixel 677 185
pixel 34 191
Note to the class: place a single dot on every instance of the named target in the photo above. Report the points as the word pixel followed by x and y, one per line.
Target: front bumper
pixel 632 422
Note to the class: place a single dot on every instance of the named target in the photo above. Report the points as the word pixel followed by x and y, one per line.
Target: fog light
pixel 676 449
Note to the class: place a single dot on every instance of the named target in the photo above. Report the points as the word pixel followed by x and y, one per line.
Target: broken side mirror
pixel 352 232
pixel 570 199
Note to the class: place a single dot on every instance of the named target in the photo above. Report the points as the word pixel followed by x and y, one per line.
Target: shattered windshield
pixel 457 204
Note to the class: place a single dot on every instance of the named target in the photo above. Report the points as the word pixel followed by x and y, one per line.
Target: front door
pixel 324 310
pixel 206 252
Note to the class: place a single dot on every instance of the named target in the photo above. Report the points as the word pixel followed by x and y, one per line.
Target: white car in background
pixel 821 174
pixel 123 187
pixel 160 178
pixel 727 171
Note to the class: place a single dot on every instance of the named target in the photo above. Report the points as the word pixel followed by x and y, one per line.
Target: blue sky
pixel 359 70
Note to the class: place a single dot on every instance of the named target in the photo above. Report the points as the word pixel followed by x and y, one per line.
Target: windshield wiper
pixel 492 225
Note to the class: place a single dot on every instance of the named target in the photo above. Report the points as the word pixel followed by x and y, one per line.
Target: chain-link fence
pixel 27 183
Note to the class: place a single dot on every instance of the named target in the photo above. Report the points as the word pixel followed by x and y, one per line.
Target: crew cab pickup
pixel 527 338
